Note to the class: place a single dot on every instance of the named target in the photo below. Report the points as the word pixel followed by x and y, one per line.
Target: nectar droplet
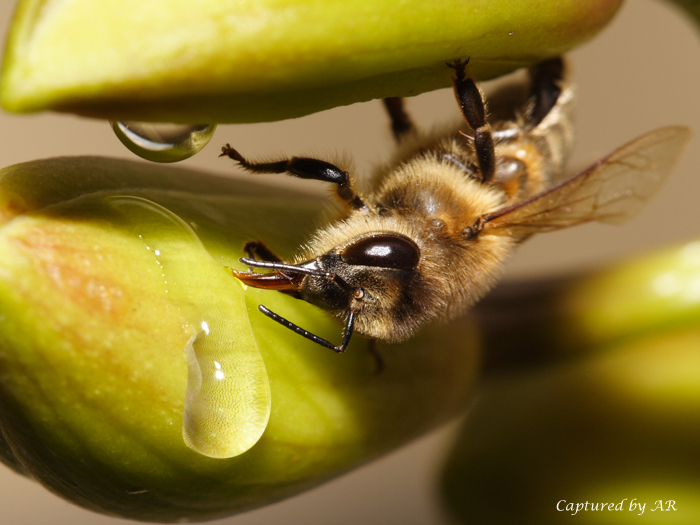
pixel 163 142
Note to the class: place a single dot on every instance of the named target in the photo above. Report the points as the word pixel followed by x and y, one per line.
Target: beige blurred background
pixel 642 72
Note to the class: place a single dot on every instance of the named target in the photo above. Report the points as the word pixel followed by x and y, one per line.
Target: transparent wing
pixel 612 190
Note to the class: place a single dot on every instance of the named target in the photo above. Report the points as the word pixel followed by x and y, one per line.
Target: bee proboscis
pixel 430 239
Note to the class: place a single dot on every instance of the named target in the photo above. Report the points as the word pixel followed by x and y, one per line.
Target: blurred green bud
pixel 607 426
pixel 124 339
pixel 264 60
pixel 562 317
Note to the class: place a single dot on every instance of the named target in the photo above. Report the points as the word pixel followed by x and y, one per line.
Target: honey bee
pixel 431 239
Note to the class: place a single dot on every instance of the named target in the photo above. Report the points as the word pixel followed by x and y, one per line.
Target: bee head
pixel 375 276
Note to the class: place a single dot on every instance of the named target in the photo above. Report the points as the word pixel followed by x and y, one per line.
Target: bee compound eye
pixel 383 251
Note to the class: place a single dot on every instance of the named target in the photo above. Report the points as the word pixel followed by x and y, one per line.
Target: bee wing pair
pixel 611 190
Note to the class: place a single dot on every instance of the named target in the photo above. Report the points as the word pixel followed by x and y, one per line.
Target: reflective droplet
pixel 227 400
pixel 163 142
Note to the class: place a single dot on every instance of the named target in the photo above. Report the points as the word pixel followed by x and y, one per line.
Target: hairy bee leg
pixel 474 111
pixel 258 250
pixel 545 89
pixel 401 124
pixel 347 333
pixel 304 168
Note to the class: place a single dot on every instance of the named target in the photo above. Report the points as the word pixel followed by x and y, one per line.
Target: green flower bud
pixel 114 296
pixel 266 60
pixel 575 314
pixel 610 426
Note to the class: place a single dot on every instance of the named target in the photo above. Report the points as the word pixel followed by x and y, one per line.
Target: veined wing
pixel 611 190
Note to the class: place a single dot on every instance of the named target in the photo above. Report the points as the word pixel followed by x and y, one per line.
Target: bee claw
pixel 459 65
pixel 228 151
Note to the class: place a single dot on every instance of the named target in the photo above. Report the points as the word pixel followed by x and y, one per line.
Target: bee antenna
pixel 347 333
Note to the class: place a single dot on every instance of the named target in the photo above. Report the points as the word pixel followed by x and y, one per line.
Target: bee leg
pixel 347 333
pixel 401 124
pixel 544 90
pixel 474 111
pixel 258 250
pixel 304 168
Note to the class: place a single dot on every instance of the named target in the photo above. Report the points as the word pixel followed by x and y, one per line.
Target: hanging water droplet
pixel 163 142
pixel 227 401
